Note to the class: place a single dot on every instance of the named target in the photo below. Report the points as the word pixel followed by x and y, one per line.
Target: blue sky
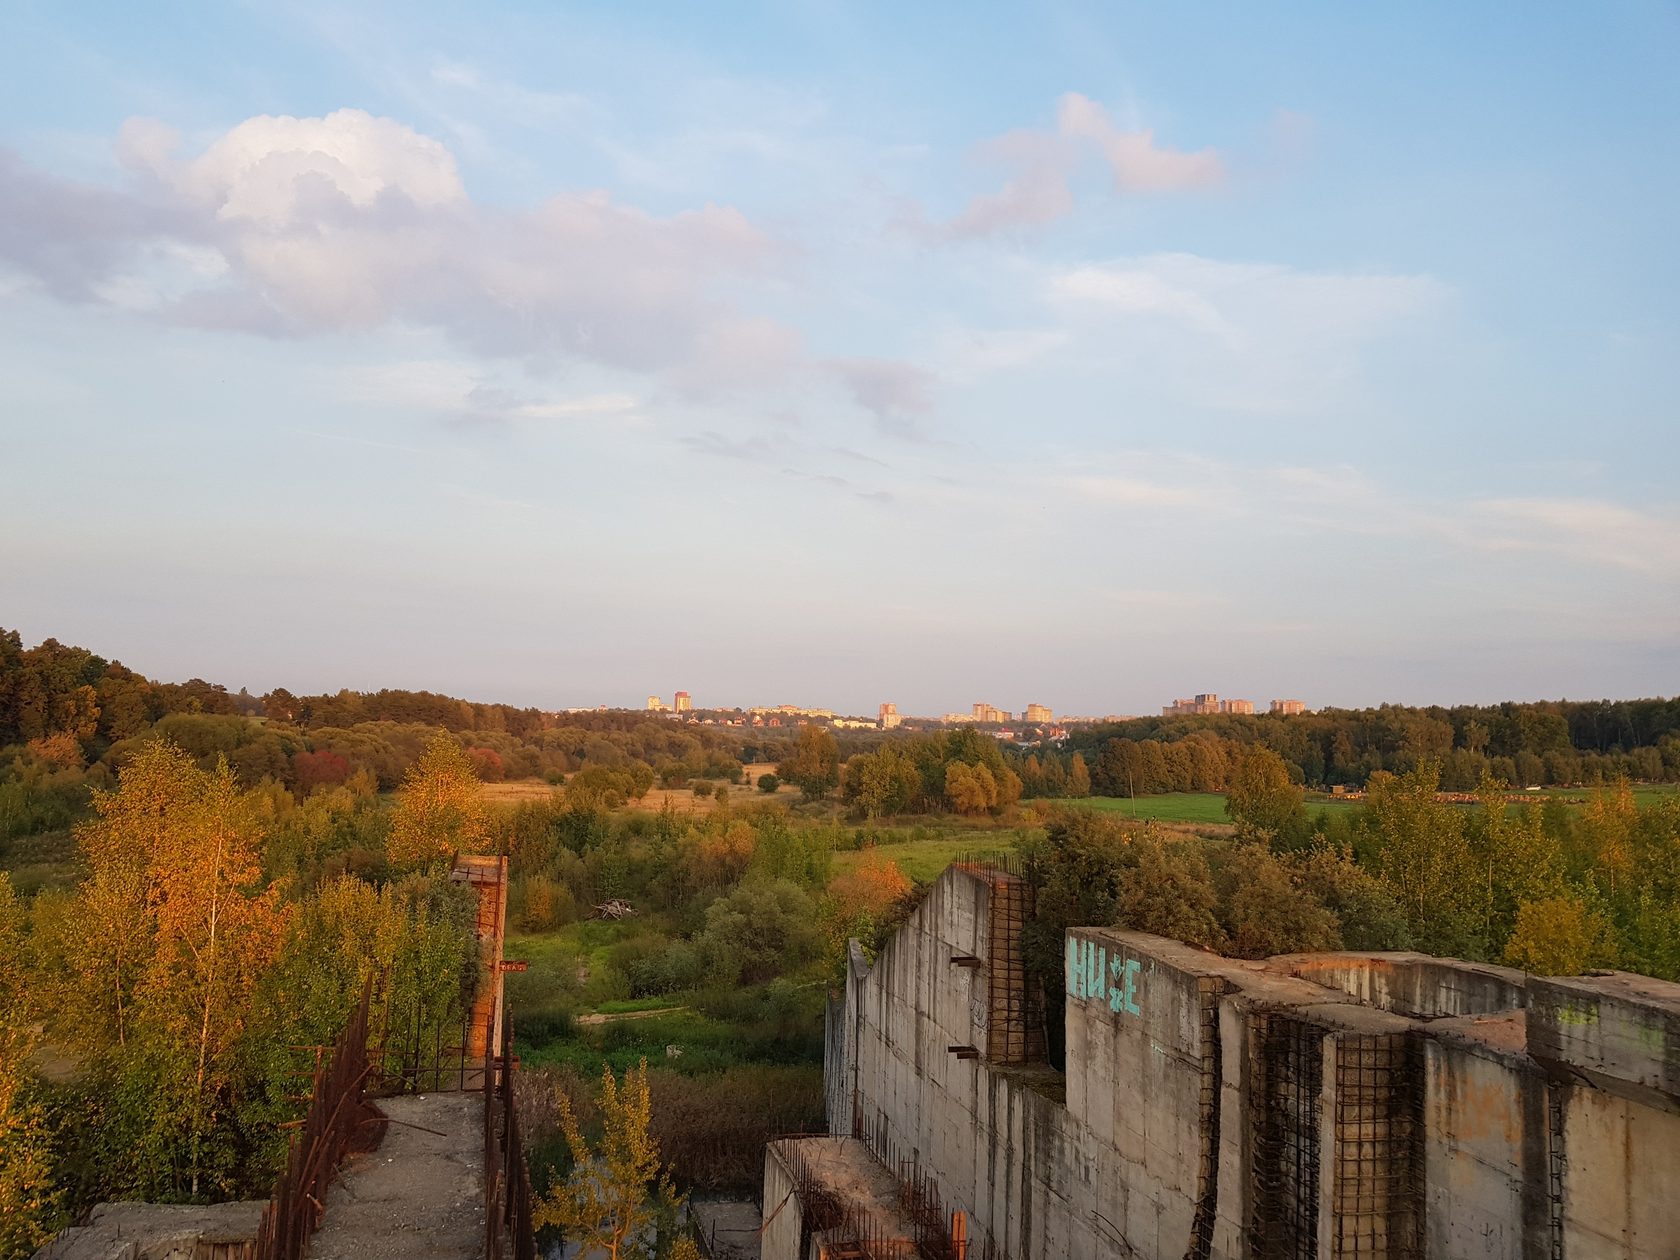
pixel 1084 354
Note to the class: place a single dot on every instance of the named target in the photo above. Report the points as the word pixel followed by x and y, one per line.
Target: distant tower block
pixel 684 704
pixel 1038 713
pixel 1288 708
pixel 889 716
pixel 656 705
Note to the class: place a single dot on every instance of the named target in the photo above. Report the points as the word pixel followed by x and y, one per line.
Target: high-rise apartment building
pixel 1236 706
pixel 1288 708
pixel 889 716
pixel 1038 713
pixel 684 704
pixel 1206 702
pixel 656 705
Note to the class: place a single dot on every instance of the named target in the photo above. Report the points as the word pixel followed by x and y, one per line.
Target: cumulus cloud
pixel 1044 162
pixel 353 221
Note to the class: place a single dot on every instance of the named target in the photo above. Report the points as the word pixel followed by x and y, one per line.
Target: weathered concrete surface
pixel 1618 1029
pixel 155 1231
pixel 802 1175
pixel 783 1234
pixel 1334 1104
pixel 419 1196
pixel 730 1227
pixel 1412 984
pixel 1485 1141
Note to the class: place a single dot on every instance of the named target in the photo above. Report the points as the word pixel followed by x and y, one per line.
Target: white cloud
pixel 353 221
pixel 1040 191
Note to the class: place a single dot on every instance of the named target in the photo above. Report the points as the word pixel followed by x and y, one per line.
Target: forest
pixel 312 831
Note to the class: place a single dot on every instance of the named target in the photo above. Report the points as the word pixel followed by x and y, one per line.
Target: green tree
pixel 814 765
pixel 1263 801
pixel 30 1202
pixel 1424 856
pixel 1559 936
pixel 1268 908
pixel 759 931
pixel 883 782
pixel 1078 776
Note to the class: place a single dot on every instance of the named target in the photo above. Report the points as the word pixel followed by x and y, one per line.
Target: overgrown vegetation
pixel 1540 886
pixel 138 1058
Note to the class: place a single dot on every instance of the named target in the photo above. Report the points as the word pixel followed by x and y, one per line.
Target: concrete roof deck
pixel 1625 986
pixel 1504 1033
pixel 848 1169
pixel 1191 959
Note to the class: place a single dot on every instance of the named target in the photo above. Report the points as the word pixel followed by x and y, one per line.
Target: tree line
pixel 1552 743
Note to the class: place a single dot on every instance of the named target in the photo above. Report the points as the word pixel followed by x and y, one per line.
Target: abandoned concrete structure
pixel 1369 1105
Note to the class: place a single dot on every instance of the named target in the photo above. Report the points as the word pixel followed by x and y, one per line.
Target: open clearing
pixel 1185 807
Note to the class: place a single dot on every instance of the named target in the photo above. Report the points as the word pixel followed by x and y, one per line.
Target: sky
pixel 1083 354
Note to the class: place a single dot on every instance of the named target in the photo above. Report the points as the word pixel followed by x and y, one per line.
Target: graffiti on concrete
pixel 1094 976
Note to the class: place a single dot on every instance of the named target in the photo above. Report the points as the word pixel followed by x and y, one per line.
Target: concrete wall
pixel 1214 1109
pixel 782 1234
pixel 1486 1144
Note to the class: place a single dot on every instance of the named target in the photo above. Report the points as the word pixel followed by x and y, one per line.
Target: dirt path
pixel 613 1017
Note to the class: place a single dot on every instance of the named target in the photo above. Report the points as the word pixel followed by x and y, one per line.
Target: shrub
pixel 768 783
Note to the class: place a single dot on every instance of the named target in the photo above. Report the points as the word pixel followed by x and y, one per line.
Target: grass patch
pixel 923 860
pixel 47 859
pixel 1182 807
pixel 688 1042
pixel 630 1006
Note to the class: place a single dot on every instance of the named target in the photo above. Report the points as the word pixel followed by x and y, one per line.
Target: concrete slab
pixel 420 1196
pixel 156 1231
pixel 730 1226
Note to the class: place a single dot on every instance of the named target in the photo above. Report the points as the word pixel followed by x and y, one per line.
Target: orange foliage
pixel 720 858
pixel 61 751
pixel 859 896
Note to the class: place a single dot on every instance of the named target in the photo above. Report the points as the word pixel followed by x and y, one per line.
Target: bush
pixel 768 783
pixel 701 787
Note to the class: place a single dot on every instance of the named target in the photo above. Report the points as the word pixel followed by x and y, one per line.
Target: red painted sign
pixel 513 964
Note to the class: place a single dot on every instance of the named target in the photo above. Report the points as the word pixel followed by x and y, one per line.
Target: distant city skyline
pixel 1071 354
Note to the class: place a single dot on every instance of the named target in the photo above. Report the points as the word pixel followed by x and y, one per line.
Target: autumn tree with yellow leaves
pixel 440 810
pixel 617 1194
pixel 164 947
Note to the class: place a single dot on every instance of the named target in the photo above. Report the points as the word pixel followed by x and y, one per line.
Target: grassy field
pixel 923 860
pixel 1182 807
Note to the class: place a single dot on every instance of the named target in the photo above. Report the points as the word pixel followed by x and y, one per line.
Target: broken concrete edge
pixel 155 1229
